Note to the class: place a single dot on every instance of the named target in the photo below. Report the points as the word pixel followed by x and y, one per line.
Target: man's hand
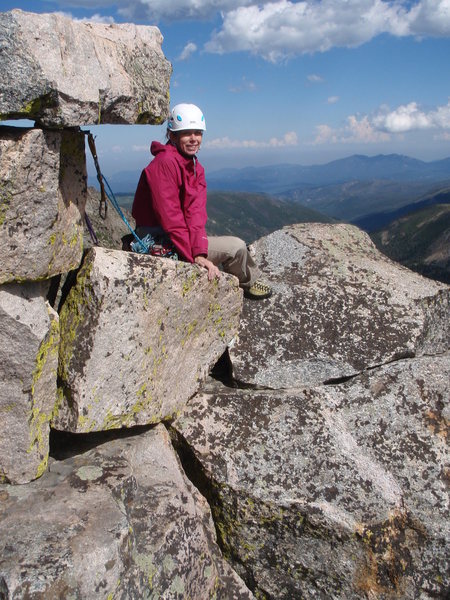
pixel 213 271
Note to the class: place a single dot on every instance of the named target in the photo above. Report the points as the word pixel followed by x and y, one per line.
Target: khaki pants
pixel 231 252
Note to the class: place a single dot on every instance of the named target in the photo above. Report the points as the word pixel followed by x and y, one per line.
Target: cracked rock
pixel 118 521
pixel 29 337
pixel 42 200
pixel 339 306
pixel 330 492
pixel 139 335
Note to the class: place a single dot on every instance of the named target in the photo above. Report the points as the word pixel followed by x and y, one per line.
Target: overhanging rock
pixel 29 336
pixel 66 73
pixel 118 521
pixel 138 336
pixel 42 199
pixel 339 307
pixel 330 492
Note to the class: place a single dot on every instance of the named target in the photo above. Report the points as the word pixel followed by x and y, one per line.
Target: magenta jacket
pixel 171 193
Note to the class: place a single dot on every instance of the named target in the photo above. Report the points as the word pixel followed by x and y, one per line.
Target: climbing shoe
pixel 258 291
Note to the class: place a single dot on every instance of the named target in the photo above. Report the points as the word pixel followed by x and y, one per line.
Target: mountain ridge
pixel 278 178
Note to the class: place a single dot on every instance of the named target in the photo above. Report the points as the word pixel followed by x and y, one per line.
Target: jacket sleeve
pixel 164 180
pixel 195 214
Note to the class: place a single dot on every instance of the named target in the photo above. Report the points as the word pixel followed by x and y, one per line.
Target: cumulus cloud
pixel 355 130
pixel 94 19
pixel 410 117
pixel 281 29
pixel 188 51
pixel 381 126
pixel 289 139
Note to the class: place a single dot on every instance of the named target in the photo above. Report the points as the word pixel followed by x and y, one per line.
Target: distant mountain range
pixel 282 178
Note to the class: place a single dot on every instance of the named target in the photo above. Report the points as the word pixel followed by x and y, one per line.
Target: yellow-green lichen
pixel 39 419
pixel 145 563
pixel 5 200
pixel 189 283
pixel 86 424
pixel 189 329
pixel 33 108
pixel 80 301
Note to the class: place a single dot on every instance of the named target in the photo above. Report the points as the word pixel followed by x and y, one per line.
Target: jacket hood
pixel 158 148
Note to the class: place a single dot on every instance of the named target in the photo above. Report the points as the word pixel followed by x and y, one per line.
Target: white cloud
pixel 289 139
pixel 410 117
pixel 315 78
pixel 354 131
pixel 136 148
pixel 381 127
pixel 333 99
pixel 188 51
pixel 94 19
pixel 283 28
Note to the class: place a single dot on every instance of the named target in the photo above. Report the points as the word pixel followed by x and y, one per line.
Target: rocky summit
pixel 67 73
pixel 162 436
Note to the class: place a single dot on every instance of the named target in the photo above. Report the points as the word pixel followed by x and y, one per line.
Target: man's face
pixel 188 142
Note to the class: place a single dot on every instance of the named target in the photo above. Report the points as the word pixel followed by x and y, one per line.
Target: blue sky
pixel 285 81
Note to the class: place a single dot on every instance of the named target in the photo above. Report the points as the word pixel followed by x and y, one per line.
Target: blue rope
pixel 111 197
pixel 110 194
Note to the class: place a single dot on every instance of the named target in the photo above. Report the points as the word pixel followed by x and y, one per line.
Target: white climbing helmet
pixel 186 116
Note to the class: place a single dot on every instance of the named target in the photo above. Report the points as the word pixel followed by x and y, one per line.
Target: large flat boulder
pixel 139 335
pixel 338 491
pixel 67 73
pixel 117 521
pixel 339 307
pixel 42 199
pixel 29 337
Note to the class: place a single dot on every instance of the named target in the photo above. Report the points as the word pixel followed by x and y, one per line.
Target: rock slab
pixel 330 492
pixel 29 337
pixel 42 199
pixel 139 335
pixel 117 521
pixel 339 307
pixel 67 73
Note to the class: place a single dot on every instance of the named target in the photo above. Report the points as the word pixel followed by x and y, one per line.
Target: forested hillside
pixel 420 241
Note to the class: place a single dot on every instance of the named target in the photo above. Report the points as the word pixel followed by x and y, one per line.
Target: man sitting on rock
pixel 170 201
